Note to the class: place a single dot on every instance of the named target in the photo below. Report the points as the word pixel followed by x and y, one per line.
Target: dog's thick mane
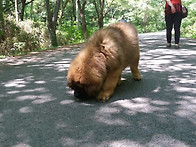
pixel 107 42
pixel 102 35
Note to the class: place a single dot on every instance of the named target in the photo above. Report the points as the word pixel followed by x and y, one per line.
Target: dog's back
pixel 131 45
pixel 119 41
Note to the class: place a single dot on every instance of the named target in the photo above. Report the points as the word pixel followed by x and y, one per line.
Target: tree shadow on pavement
pixel 37 108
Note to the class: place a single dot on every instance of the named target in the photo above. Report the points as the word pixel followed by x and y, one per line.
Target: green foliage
pixel 27 36
pixel 188 28
pixel 32 33
pixel 147 15
pixel 72 34
pixel 20 38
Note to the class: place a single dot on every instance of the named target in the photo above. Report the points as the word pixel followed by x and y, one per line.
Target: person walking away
pixel 173 17
pixel 123 19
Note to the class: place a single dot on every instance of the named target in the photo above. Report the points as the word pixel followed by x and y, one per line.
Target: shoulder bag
pixel 184 12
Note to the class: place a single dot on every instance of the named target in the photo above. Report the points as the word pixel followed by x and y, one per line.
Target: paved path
pixel 38 110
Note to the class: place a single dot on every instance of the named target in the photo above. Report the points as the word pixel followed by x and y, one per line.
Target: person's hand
pixel 173 9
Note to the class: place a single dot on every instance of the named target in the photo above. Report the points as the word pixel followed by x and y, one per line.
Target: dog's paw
pixel 103 98
pixel 137 78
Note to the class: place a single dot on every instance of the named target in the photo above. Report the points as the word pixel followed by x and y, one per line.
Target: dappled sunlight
pixel 120 143
pixel 185 78
pixel 43 99
pixel 69 141
pixel 26 110
pixel 25 97
pixel 24 92
pixel 22 145
pixel 60 66
pixel 37 106
pixel 157 89
pixel 183 66
pixel 186 110
pixel 156 57
pixel 40 82
pixel 13 92
pixel 185 89
pixel 160 103
pixel 66 102
pixel 104 115
pixel 165 140
pixel 18 83
pixel 36 99
pixel 157 140
pixel 166 60
pixel 143 105
pixel 43 57
pixel 69 91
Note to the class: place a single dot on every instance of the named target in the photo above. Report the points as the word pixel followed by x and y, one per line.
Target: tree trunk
pixel 16 10
pixel 31 12
pixel 63 8
pixel 77 15
pixel 2 37
pixel 23 2
pixel 56 11
pixel 100 21
pixel 81 9
pixel 52 34
pixel 99 7
pixel 52 21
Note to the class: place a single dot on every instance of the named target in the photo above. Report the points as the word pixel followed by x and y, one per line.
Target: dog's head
pixel 84 91
pixel 86 75
pixel 86 83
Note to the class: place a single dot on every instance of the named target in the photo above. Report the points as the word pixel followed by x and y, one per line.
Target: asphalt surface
pixel 37 109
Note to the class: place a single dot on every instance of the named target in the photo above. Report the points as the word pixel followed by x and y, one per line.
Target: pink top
pixel 177 4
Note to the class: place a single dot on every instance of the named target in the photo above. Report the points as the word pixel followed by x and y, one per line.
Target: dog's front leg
pixel 108 87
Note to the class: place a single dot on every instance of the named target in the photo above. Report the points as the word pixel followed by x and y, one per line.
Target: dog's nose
pixel 79 94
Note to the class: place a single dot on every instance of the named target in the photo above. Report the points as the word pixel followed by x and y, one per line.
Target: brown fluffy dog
pixel 97 69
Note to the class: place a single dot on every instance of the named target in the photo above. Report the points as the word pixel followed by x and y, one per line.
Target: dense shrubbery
pixel 27 36
pixel 22 37
pixel 73 35
pixel 188 28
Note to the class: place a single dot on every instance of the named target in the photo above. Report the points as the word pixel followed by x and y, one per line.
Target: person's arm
pixel 173 9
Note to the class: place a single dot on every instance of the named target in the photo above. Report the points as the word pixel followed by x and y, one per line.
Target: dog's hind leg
pixel 135 71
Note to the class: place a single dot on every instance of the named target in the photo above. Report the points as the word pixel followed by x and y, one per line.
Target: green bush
pixel 71 32
pixel 27 36
pixel 61 37
pixel 188 28
pixel 19 38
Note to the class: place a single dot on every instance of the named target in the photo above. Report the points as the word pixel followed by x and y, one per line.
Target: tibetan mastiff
pixel 96 70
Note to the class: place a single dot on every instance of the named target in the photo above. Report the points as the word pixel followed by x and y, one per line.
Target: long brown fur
pixel 97 69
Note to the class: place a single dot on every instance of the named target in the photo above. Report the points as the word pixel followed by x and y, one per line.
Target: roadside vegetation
pixel 33 25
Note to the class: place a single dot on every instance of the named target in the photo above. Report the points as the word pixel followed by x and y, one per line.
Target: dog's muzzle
pixel 80 94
